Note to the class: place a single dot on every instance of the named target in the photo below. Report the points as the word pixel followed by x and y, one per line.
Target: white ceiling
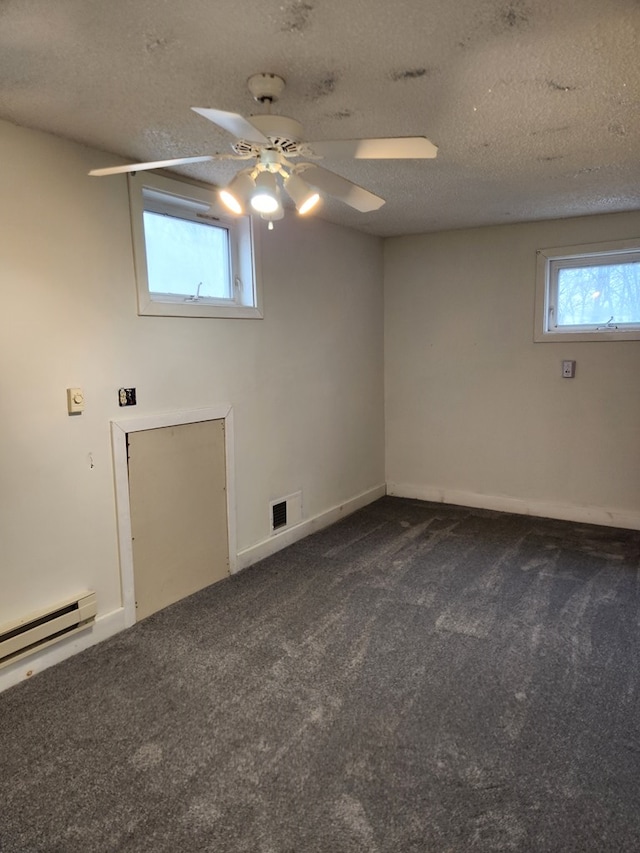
pixel 534 104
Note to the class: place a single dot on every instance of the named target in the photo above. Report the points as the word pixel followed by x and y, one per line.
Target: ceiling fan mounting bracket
pixel 266 88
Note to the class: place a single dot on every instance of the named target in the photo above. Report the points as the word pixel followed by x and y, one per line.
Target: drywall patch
pixel 617 129
pixel 408 74
pixel 297 17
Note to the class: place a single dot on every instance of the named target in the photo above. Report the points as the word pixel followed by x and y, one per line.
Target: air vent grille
pixel 279 515
pixel 285 512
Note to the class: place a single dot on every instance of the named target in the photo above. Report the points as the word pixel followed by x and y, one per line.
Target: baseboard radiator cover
pixel 41 629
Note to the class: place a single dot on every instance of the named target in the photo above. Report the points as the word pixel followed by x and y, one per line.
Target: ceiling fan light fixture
pixel 304 197
pixel 277 214
pixel 270 218
pixel 230 201
pixel 236 196
pixel 265 196
pixel 309 204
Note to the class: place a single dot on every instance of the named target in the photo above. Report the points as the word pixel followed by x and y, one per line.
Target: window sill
pixel 577 335
pixel 195 309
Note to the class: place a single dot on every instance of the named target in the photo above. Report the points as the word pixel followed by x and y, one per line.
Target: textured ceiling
pixel 534 104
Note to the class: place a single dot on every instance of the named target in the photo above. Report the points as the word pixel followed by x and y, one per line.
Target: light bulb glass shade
pixel 265 196
pixel 236 196
pixel 264 203
pixel 304 197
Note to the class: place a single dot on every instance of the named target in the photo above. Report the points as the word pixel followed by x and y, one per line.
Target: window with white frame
pixel 588 293
pixel 191 259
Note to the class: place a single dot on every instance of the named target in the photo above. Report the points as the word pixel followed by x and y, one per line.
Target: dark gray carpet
pixel 414 678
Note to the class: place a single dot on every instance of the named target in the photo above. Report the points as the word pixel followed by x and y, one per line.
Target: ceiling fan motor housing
pixel 283 132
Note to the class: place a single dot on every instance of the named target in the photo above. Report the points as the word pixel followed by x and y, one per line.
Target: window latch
pixel 608 325
pixel 196 296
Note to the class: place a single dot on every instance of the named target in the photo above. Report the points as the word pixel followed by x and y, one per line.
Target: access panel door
pixel 177 496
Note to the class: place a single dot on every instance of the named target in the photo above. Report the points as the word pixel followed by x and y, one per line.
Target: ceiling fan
pixel 274 143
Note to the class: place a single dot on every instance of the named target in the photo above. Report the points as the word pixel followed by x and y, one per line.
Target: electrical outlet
pixel 127 397
pixel 568 369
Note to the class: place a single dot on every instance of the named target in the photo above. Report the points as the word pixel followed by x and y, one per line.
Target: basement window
pixel 588 293
pixel 191 259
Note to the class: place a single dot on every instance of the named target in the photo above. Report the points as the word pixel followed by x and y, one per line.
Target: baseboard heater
pixel 41 629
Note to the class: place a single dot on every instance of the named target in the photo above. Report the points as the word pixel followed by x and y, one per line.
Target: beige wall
pixel 305 383
pixel 478 414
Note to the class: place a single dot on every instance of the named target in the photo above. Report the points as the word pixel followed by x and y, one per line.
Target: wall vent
pixel 41 629
pixel 279 515
pixel 286 512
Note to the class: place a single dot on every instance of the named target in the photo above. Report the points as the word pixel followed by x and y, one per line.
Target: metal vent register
pixel 285 512
pixel 279 515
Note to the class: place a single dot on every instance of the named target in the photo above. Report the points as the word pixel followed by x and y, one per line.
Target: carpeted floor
pixel 415 678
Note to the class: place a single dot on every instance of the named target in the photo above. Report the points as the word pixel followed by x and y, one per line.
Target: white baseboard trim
pixel 543 509
pixel 102 628
pixel 277 542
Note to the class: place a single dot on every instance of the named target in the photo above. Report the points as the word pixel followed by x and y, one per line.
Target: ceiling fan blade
pixel 341 188
pixel 233 123
pixel 141 167
pixel 384 148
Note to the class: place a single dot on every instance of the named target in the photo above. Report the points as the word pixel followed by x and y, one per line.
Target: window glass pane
pixel 599 294
pixel 186 258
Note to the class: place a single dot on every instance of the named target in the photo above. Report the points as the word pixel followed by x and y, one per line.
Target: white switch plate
pixel 75 400
pixel 568 369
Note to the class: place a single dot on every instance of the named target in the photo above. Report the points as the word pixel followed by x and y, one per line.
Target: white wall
pixel 305 383
pixel 478 414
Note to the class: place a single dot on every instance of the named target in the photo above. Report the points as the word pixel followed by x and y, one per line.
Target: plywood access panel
pixel 177 496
